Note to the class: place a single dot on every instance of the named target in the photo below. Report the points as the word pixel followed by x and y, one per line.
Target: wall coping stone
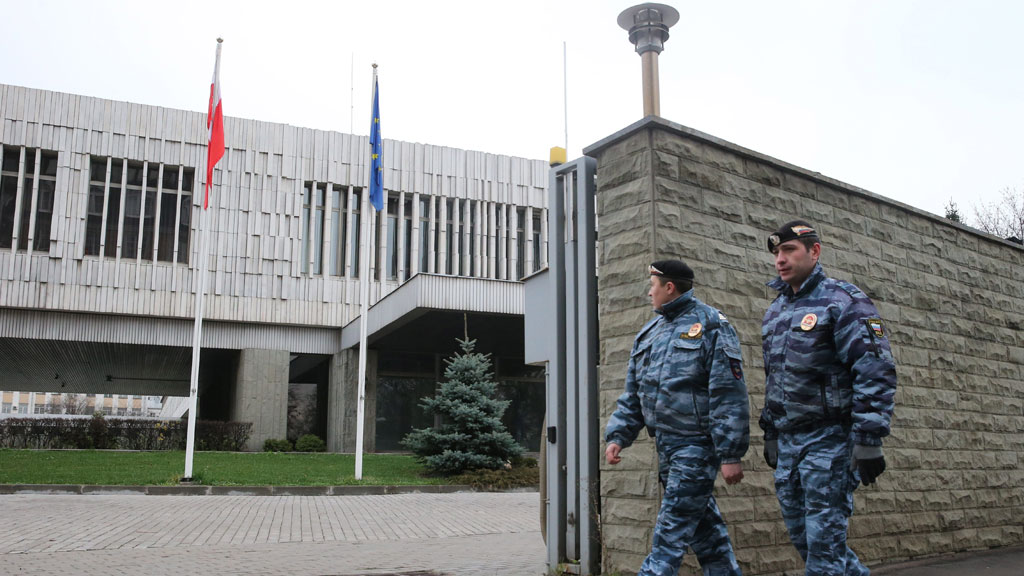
pixel 659 123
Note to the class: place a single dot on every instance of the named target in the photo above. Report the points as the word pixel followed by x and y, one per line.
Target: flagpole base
pixel 186 482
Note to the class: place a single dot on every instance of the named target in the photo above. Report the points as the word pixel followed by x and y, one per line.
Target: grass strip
pixel 165 468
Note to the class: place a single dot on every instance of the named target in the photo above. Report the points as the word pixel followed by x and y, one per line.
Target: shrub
pixel 275 445
pixel 220 436
pixel 310 443
pixel 99 432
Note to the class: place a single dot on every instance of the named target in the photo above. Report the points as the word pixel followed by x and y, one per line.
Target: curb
pixel 1006 554
pixel 243 490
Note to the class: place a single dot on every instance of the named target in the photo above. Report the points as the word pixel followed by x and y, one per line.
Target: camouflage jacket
pixel 685 377
pixel 826 359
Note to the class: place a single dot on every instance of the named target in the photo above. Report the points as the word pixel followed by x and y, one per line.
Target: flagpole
pixel 197 336
pixel 364 301
pixel 214 116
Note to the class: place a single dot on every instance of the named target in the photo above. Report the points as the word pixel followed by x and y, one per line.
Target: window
pixel 47 184
pixel 313 204
pixel 536 242
pixel 407 217
pixel 132 212
pixel 44 201
pixel 176 180
pixel 424 232
pixel 356 228
pixel 152 182
pixel 6 408
pixel 471 249
pixel 520 243
pixel 450 233
pixel 391 264
pixel 339 197
pixel 141 189
pixel 117 177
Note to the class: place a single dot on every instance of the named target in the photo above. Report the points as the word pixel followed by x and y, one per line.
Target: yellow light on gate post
pixel 557 156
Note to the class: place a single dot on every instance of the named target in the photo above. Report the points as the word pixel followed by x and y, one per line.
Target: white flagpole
pixel 364 301
pixel 197 330
pixel 197 336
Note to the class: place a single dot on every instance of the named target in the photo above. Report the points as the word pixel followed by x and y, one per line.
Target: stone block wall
pixel 952 300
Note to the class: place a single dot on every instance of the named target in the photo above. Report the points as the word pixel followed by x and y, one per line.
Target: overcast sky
pixel 918 101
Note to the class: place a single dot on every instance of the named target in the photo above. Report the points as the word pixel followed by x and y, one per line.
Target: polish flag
pixel 214 129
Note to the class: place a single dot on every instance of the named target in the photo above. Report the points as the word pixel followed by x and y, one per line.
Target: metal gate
pixel 561 331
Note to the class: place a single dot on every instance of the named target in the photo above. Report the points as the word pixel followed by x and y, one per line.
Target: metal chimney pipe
pixel 648 26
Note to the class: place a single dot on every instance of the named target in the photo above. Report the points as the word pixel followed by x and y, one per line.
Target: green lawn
pixel 209 468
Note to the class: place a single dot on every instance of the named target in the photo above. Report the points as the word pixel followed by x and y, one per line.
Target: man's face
pixel 661 294
pixel 794 262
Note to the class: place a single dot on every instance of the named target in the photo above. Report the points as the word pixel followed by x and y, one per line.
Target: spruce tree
pixel 471 435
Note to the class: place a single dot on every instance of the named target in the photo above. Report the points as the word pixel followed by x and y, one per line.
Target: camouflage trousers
pixel 689 516
pixel 815 485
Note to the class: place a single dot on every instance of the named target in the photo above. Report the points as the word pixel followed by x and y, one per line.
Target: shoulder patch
pixel 737 368
pixel 875 326
pixel 722 318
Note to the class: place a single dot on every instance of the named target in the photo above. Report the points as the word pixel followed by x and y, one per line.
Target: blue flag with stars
pixel 376 169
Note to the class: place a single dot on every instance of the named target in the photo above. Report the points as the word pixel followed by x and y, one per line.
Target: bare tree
pixel 55 405
pixel 1003 218
pixel 75 404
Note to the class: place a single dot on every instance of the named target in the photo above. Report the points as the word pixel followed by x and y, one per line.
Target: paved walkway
pixel 473 534
pixel 463 533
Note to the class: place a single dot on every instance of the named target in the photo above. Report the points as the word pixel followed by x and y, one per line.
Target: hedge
pixel 121 433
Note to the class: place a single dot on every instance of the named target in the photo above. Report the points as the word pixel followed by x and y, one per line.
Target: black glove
pixel 771 452
pixel 869 461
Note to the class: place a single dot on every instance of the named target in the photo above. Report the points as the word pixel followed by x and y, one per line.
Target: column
pixel 261 395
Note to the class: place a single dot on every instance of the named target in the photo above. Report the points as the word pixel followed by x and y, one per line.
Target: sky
pixel 917 101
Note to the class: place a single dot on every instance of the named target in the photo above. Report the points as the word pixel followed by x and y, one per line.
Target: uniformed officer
pixel 830 381
pixel 685 384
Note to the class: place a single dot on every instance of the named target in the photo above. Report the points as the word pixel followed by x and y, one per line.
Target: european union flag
pixel 376 169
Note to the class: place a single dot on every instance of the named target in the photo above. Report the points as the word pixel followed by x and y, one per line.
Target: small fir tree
pixel 953 212
pixel 471 435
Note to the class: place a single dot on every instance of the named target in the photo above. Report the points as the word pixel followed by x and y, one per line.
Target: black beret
pixel 676 269
pixel 791 231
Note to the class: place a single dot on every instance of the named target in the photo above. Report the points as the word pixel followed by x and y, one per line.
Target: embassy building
pixel 100 203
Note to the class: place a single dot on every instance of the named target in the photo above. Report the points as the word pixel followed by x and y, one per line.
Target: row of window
pixel 138 210
pixel 8 408
pixel 422 233
pixel 143 210
pixel 135 209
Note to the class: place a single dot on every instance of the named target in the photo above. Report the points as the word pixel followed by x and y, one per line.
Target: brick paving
pixel 462 533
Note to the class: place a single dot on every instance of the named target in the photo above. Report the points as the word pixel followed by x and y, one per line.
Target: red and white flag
pixel 214 129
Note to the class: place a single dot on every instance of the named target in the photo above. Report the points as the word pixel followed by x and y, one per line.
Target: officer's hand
pixel 611 453
pixel 733 472
pixel 771 452
pixel 869 461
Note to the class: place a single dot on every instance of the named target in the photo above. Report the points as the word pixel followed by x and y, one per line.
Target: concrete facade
pixel 952 299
